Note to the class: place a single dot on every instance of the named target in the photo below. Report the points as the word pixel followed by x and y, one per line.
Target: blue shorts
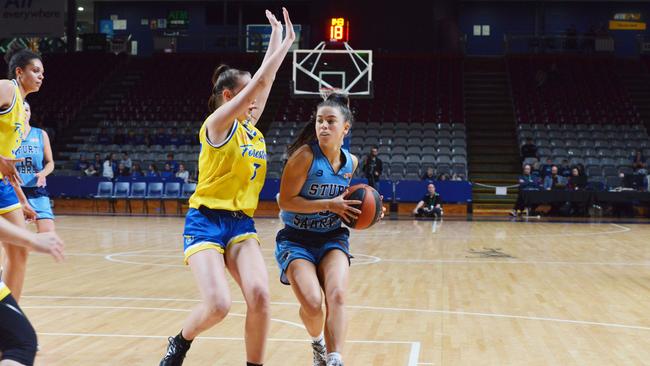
pixel 292 244
pixel 215 229
pixel 8 199
pixel 38 198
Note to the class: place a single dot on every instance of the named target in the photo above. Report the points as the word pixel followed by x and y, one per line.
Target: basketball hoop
pixel 325 92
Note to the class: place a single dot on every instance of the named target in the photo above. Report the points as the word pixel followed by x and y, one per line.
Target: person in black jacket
pixel 430 205
pixel 372 167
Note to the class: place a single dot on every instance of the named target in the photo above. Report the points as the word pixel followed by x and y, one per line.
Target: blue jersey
pixel 322 183
pixel 31 150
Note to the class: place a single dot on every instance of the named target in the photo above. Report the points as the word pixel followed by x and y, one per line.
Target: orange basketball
pixel 371 206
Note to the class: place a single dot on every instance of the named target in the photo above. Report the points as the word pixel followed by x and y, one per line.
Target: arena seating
pixel 604 150
pixel 71 81
pixel 406 149
pixel 580 90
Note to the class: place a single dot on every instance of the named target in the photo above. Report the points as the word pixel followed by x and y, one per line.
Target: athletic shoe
pixel 320 353
pixel 335 363
pixel 176 351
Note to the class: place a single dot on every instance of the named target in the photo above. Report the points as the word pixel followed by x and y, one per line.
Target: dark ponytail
pixel 18 56
pixel 307 134
pixel 223 77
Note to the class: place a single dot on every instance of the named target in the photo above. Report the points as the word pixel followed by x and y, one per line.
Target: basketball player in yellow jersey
pixel 25 76
pixel 219 230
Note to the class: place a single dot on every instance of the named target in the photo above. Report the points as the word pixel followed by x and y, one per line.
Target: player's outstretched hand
pixel 275 23
pixel 48 243
pixel 291 35
pixel 342 207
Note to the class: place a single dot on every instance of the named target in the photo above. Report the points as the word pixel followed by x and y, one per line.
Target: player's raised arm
pixel 241 98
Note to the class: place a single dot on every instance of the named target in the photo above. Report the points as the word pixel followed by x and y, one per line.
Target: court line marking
pixel 114 257
pixel 505 261
pixel 373 260
pixel 374 308
pixel 297 325
pixel 622 229
pixel 411 362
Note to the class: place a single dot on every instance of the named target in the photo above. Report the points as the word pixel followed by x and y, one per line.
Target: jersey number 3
pixel 257 166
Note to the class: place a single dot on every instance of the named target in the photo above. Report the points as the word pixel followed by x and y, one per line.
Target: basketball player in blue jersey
pixel 36 165
pixel 313 250
pixel 26 74
pixel 219 229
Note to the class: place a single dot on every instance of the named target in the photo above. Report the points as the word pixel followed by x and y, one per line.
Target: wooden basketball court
pixel 421 293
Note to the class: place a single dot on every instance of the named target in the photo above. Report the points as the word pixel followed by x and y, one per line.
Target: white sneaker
pixel 320 353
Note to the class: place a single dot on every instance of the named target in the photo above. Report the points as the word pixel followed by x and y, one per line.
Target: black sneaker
pixel 320 353
pixel 176 351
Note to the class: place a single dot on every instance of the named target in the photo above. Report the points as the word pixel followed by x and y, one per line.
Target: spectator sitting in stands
pixel 182 173
pixel 175 138
pixel 167 171
pixel 457 177
pixel 126 160
pixel 172 163
pixel 554 180
pixel 546 168
pixel 429 175
pixel 527 182
pixel 108 168
pixel 104 138
pixel 90 171
pixel 444 176
pixel 565 169
pixel 577 181
pixel 535 171
pixel 639 162
pixel 123 171
pixel 529 150
pixel 137 171
pixel 153 171
pixel 98 161
pixel 162 138
pixel 82 164
pixel 430 204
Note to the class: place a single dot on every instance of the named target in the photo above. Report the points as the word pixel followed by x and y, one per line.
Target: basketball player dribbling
pixel 313 249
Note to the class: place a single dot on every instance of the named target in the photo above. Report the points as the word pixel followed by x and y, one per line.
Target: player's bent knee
pixel 217 307
pixel 336 296
pixel 259 299
pixel 312 305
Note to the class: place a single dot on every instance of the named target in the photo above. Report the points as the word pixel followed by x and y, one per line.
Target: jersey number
pixel 26 166
pixel 257 166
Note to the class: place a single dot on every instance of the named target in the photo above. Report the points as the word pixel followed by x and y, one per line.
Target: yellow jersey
pixel 4 290
pixel 232 173
pixel 12 125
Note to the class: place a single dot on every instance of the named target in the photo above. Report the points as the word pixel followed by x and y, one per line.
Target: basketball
pixel 371 206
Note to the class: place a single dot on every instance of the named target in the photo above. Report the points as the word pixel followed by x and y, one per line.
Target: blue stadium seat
pixel 104 192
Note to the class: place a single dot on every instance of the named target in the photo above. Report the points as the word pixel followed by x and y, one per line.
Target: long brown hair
pixel 223 77
pixel 18 56
pixel 307 134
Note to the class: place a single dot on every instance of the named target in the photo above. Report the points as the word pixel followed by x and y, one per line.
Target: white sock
pixel 318 339
pixel 334 356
